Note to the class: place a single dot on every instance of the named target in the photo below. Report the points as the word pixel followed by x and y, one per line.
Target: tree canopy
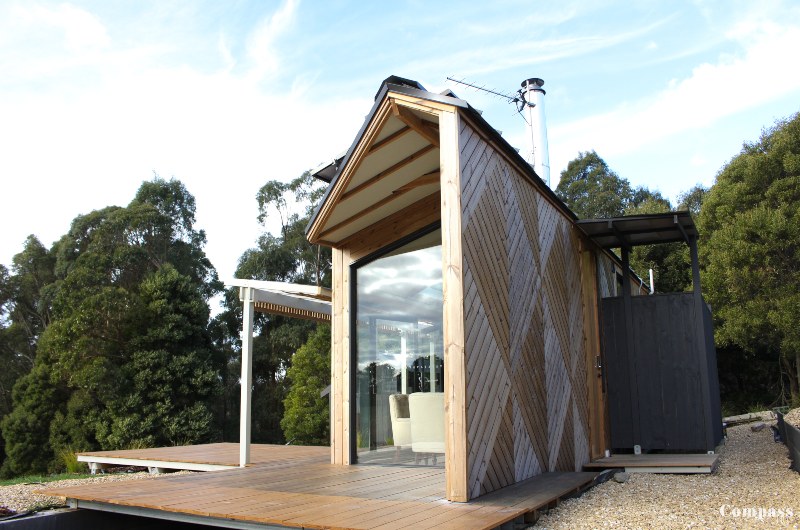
pixel 306 420
pixel 750 223
pixel 123 354
pixel 592 190
pixel 286 257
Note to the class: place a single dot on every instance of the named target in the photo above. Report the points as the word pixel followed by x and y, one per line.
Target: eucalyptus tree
pixel 592 190
pixel 127 358
pixel 285 256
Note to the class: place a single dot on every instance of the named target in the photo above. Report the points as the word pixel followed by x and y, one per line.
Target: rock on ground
pixel 753 478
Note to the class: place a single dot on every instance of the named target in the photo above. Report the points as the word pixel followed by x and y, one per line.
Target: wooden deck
pixel 293 487
pixel 658 463
pixel 207 457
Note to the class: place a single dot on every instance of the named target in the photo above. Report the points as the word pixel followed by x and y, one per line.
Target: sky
pixel 98 96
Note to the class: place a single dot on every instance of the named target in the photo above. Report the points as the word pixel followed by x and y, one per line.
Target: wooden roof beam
pixel 424 128
pixel 424 180
pixel 389 139
pixel 386 172
pixel 622 239
pixel 368 210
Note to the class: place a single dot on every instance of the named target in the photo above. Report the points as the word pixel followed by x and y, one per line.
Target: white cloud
pixel 81 30
pixel 262 43
pixel 698 160
pixel 505 55
pixel 67 152
pixel 735 83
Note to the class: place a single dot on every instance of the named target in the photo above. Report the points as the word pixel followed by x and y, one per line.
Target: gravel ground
pixel 793 417
pixel 21 497
pixel 753 487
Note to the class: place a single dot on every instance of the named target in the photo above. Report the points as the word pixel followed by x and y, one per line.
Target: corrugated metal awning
pixel 633 230
pixel 288 299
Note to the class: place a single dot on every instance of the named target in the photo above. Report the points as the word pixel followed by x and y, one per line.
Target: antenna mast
pixel 531 98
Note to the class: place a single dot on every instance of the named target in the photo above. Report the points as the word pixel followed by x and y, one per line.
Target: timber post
pixel 246 295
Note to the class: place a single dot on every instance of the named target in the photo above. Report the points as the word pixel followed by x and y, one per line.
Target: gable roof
pixel 401 105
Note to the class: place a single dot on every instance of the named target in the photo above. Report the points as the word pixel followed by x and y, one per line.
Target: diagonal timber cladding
pixel 527 409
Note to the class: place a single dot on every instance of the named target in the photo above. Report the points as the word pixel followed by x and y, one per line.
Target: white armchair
pixel 427 422
pixel 401 423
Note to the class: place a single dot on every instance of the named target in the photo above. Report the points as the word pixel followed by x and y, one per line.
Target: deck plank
pixel 297 487
pixel 655 461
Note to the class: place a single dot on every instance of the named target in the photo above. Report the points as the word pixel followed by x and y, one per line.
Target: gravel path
pixel 793 417
pixel 21 497
pixel 753 475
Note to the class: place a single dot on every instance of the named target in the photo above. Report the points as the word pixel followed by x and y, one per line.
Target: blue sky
pixel 95 96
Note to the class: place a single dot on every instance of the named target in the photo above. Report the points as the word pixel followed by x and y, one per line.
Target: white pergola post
pixel 404 361
pixel 432 367
pixel 247 297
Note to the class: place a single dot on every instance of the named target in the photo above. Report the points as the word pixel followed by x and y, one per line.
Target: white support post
pixel 404 361
pixel 432 367
pixel 246 296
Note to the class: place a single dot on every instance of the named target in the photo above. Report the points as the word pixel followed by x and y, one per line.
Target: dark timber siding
pixel 662 375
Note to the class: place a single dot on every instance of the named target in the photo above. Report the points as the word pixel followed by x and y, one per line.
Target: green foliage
pixel 27 428
pixel 24 314
pixel 69 459
pixel 43 479
pixel 286 257
pixel 592 190
pixel 123 352
pixel 670 261
pixel 306 418
pixel 692 200
pixel 750 222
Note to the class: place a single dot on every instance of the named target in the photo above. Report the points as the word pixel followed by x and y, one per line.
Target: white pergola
pixel 288 299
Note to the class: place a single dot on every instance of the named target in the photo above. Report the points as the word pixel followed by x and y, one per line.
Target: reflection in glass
pixel 399 346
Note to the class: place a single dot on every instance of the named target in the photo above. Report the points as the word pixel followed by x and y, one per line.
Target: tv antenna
pixel 518 98
pixel 529 96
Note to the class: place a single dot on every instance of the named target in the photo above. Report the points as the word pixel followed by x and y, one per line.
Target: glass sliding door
pixel 399 352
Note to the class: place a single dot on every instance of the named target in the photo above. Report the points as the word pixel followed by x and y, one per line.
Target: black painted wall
pixel 673 354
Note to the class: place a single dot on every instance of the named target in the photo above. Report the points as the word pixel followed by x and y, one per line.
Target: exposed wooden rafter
pixel 424 128
pixel 366 211
pixel 424 180
pixel 358 155
pixel 389 139
pixel 386 172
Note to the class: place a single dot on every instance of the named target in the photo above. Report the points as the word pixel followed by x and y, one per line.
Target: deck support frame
pixel 172 516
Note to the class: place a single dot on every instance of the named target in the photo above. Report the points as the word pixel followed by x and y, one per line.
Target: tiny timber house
pixel 487 347
pixel 465 304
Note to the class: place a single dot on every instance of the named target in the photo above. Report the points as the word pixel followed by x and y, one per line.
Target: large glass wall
pixel 399 352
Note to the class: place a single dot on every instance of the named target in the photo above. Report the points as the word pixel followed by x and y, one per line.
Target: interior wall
pixel 526 371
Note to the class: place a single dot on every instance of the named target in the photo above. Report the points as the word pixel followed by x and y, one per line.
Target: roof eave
pixel 383 93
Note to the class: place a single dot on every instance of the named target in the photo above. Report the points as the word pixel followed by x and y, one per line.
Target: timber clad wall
pixel 606 276
pixel 526 395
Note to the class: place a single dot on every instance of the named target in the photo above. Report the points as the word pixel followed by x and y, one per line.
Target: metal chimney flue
pixel 534 99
